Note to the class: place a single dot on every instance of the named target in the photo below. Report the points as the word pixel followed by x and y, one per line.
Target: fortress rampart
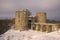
pixel 38 23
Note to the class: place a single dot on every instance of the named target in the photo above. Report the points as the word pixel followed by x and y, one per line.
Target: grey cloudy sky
pixel 8 7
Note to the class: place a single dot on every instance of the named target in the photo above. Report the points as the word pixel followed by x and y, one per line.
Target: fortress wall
pixel 22 17
pixel 45 27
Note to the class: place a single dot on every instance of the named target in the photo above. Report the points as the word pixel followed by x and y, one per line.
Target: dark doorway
pixel 29 24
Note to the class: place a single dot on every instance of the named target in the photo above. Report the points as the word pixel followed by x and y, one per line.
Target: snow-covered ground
pixel 30 35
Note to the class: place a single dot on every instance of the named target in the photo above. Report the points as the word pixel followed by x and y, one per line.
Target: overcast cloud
pixel 52 7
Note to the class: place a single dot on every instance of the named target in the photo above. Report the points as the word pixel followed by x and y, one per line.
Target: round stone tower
pixel 41 17
pixel 21 20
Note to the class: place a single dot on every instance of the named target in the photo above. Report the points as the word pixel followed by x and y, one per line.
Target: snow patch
pixel 30 35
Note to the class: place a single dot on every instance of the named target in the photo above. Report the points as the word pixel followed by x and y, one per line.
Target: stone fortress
pixel 23 21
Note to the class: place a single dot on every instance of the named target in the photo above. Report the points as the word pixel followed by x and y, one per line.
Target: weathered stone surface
pixel 37 23
pixel 45 27
pixel 21 20
pixel 41 17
